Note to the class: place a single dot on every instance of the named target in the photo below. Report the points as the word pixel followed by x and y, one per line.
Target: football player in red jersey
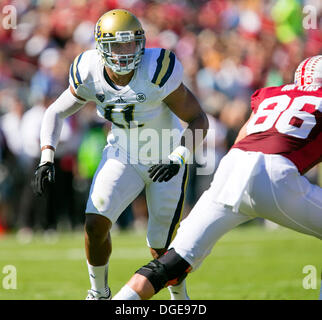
pixel 261 176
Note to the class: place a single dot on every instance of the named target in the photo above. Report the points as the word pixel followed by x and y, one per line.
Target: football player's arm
pixel 184 104
pixel 243 131
pixel 66 104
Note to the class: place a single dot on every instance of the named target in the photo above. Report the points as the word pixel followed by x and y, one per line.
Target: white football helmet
pixel 309 72
pixel 120 40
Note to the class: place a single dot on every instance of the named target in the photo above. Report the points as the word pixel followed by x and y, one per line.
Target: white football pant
pixel 248 185
pixel 117 183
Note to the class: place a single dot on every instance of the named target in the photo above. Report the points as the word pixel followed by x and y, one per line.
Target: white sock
pixel 179 292
pixel 127 293
pixel 98 277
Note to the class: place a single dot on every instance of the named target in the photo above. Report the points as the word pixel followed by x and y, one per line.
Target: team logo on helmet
pixel 309 80
pixel 98 29
pixel 309 72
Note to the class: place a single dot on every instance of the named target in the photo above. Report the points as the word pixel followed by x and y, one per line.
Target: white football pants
pixel 272 189
pixel 117 183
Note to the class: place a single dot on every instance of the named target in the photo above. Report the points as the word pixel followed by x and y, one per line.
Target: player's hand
pixel 44 173
pixel 163 172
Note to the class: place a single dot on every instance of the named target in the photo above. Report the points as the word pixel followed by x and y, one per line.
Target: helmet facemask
pixel 121 53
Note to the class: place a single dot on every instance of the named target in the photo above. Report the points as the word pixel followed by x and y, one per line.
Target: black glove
pixel 44 173
pixel 163 172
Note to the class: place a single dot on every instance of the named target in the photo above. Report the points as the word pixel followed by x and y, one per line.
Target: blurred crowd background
pixel 228 48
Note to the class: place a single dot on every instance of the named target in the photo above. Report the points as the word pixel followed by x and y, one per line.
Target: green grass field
pixel 250 262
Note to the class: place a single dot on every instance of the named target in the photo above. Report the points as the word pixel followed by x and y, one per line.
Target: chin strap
pixel 122 73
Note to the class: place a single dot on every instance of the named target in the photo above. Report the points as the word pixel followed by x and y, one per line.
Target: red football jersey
pixel 287 121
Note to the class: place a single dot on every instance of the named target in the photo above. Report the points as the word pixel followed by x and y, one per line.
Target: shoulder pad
pixel 164 67
pixel 74 71
pixel 82 73
pixel 82 68
pixel 256 94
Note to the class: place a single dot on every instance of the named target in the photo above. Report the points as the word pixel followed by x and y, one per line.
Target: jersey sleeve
pixel 78 74
pixel 166 72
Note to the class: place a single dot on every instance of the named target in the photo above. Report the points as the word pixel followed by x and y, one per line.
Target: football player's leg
pixel 165 203
pixel 98 249
pixel 198 233
pixel 115 185
pixel 154 276
pixel 206 224
pixel 283 196
pixel 301 203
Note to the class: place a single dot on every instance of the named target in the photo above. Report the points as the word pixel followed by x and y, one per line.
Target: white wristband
pixel 47 155
pixel 180 155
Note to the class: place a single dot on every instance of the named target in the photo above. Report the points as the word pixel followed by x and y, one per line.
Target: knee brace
pixel 169 269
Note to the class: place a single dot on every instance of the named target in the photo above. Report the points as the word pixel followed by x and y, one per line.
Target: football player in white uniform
pixel 141 92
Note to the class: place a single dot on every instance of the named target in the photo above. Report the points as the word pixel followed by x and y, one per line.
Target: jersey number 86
pixel 289 117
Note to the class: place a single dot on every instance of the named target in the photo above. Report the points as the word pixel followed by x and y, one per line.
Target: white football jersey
pixel 142 122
